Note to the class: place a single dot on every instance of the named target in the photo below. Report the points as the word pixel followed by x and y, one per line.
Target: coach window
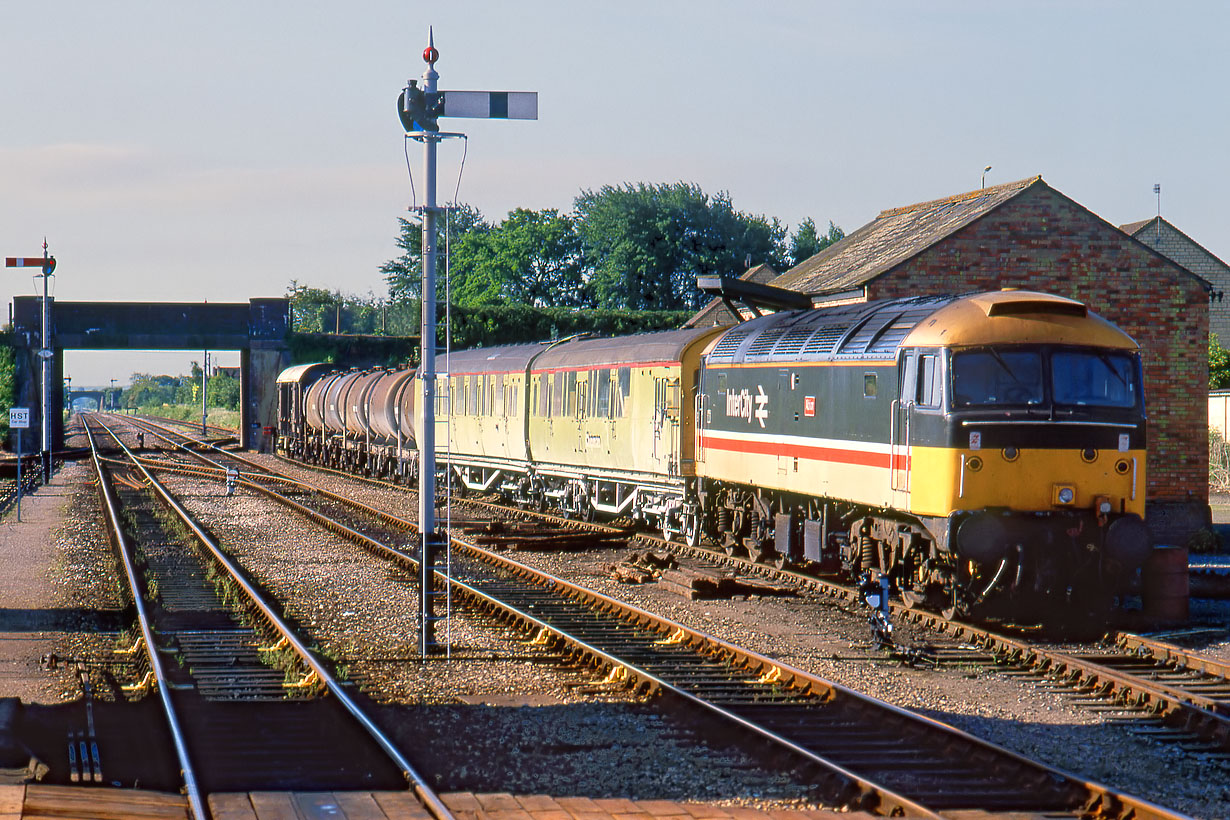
pixel 604 394
pixel 623 388
pixel 557 393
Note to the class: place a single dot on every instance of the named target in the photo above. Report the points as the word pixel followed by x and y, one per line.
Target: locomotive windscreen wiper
pixel 1111 367
pixel 1000 361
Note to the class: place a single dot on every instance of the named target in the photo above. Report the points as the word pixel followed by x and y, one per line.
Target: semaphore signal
pixel 419 108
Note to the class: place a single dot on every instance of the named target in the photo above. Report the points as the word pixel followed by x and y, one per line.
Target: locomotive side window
pixel 1093 379
pixel 997 377
pixel 869 386
pixel 929 382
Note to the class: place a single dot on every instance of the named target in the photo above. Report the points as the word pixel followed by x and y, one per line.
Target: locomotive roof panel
pixel 1018 317
pixel 864 330
pixel 659 346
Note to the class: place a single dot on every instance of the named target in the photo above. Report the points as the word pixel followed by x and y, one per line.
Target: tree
pixel 404 274
pixel 531 258
pixel 806 242
pixel 1219 364
pixel 7 371
pixel 224 391
pixel 646 244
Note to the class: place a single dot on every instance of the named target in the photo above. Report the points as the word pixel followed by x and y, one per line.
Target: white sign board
pixel 19 418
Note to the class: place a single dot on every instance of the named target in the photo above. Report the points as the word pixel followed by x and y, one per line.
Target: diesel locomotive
pixel 988 447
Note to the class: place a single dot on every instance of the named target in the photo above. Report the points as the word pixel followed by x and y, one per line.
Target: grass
pixel 218 416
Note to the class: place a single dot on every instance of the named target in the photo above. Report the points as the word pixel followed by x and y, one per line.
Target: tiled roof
pixel 893 237
pixel 1133 228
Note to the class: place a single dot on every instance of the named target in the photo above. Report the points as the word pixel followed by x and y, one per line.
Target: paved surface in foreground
pixel 34 801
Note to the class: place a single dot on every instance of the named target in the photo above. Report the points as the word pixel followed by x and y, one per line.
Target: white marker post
pixel 419 110
pixel 19 419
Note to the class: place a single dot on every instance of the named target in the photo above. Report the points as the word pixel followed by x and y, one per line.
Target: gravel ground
pixel 498 714
pixel 537 728
pixel 819 636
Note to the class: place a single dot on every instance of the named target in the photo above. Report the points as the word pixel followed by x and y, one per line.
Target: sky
pixel 220 151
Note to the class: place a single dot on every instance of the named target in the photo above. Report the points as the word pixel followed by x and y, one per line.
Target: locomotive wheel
pixel 955 608
pixel 757 552
pixel 731 546
pixel 692 528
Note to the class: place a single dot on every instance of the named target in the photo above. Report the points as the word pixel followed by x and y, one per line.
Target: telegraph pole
pixel 419 110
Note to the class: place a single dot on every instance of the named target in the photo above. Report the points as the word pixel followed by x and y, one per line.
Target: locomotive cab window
pixel 1092 378
pixel 997 377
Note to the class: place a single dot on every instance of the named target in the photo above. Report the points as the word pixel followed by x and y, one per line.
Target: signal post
pixel 419 109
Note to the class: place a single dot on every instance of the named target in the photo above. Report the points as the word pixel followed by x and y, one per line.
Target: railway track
pixel 870 755
pixel 1163 699
pixel 237 723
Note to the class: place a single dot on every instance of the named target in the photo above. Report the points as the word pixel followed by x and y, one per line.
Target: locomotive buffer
pixel 419 109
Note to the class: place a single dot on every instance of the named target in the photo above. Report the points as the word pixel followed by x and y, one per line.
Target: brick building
pixel 1028 235
pixel 1172 243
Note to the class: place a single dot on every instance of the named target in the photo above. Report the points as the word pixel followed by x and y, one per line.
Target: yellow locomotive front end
pixel 1020 436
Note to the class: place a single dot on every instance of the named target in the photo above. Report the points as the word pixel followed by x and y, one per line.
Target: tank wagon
pixel 985 447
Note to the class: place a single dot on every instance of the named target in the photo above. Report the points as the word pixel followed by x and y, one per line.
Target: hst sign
pixel 19 418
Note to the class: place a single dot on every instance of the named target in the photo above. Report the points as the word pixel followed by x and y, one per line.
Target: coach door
pixel 665 420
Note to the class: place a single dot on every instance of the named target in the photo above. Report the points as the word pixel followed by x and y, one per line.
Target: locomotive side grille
pixel 867 333
pixel 792 343
pixel 890 337
pixel 730 342
pixel 824 339
pixel 763 344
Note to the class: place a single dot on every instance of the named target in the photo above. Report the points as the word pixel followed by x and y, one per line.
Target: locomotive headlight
pixel 1064 494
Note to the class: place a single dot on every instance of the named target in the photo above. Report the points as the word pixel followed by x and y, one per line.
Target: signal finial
pixel 430 55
